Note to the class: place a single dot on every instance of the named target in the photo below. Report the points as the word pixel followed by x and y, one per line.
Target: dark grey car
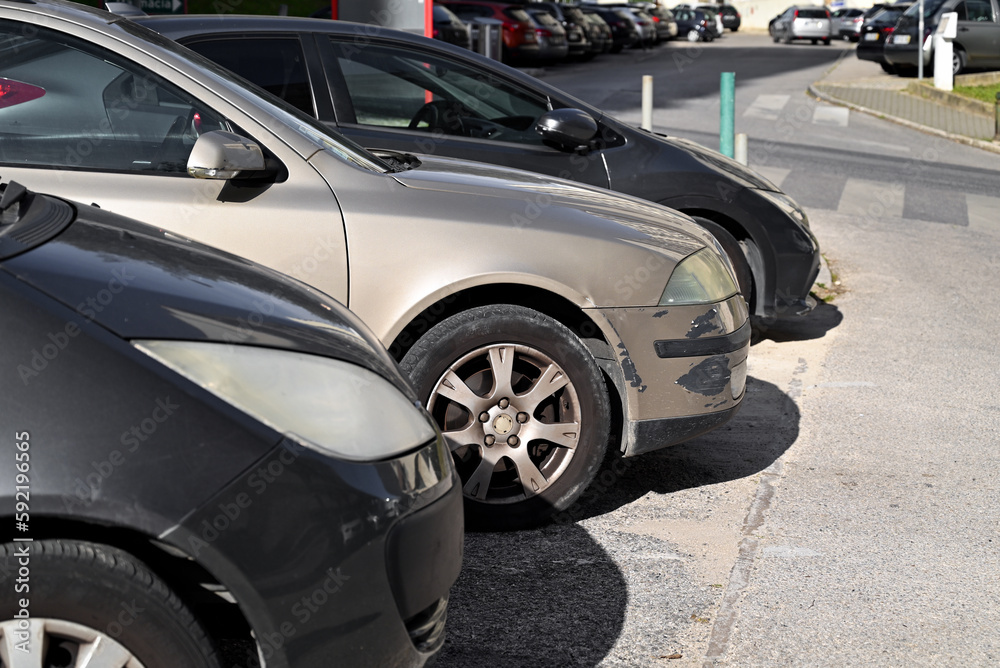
pixel 490 115
pixel 976 46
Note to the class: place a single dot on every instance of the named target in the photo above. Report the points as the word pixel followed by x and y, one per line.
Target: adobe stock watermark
pixel 56 342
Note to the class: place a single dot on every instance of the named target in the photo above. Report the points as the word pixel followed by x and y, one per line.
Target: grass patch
pixel 981 93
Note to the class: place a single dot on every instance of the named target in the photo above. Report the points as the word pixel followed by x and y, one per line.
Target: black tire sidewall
pixel 460 334
pixel 75 581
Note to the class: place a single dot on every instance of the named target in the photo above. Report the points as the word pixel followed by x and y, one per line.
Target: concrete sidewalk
pixel 862 85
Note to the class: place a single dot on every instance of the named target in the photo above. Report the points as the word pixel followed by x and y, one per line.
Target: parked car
pixel 977 45
pixel 552 44
pixel 845 23
pixel 663 20
pixel 731 17
pixel 624 32
pixel 519 34
pixel 449 28
pixel 802 22
pixel 876 31
pixel 169 410
pixel 573 22
pixel 696 25
pixel 715 11
pixel 598 32
pixel 764 231
pixel 508 297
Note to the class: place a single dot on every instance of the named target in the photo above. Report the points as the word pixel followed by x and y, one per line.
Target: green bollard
pixel 727 113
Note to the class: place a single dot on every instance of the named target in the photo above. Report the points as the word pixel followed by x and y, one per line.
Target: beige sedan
pixel 541 321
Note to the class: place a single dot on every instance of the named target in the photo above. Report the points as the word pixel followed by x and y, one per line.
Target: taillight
pixel 543 32
pixel 435 33
pixel 888 30
pixel 15 92
pixel 656 19
pixel 796 14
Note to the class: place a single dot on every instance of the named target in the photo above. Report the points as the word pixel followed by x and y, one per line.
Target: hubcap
pixel 56 642
pixel 512 419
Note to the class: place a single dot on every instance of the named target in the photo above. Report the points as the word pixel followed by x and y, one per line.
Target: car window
pixel 517 14
pixel 67 104
pixel 931 8
pixel 276 64
pixel 975 10
pixel 393 86
pixel 812 14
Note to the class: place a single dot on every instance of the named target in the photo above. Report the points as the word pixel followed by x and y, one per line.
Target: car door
pixel 110 127
pixel 979 31
pixel 397 96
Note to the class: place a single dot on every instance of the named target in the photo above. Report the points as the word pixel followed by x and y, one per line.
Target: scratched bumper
pixel 681 371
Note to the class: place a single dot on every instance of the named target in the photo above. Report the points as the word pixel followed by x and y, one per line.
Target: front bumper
pixel 336 562
pixel 680 371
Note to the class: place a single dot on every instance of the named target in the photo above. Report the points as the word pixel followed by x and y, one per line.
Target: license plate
pixel 900 39
pixel 871 37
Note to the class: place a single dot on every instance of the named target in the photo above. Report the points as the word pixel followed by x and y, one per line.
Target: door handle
pixel 963 29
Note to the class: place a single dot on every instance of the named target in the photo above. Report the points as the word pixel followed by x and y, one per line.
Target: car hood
pixel 140 282
pixel 626 217
pixel 716 161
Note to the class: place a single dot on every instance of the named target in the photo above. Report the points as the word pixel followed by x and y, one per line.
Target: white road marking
pixel 827 115
pixel 984 212
pixel 767 106
pixel 873 200
pixel 773 174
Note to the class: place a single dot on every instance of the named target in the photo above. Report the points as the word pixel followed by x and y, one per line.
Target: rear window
pixel 812 14
pixel 545 19
pixel 574 15
pixel 516 14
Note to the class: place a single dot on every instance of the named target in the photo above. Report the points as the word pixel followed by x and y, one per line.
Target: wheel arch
pixel 184 576
pixel 752 251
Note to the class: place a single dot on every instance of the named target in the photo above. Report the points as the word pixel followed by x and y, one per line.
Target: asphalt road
pixel 848 515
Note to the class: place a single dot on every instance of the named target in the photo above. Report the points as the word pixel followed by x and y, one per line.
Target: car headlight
pixel 337 407
pixel 787 205
pixel 700 278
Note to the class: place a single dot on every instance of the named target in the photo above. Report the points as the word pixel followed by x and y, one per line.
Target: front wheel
pixel 95 605
pixel 523 407
pixel 958 60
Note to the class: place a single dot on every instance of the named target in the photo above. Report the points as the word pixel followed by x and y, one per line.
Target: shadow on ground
pixel 814 325
pixel 547 597
pixel 766 426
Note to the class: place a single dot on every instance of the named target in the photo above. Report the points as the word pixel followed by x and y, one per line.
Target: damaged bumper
pixel 678 376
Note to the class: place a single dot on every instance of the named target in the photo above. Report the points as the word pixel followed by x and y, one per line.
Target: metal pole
pixel 727 113
pixel 647 103
pixel 996 130
pixel 920 43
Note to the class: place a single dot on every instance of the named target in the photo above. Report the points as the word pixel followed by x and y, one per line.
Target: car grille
pixel 426 628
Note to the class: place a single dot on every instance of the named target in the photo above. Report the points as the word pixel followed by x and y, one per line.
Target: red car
pixel 520 42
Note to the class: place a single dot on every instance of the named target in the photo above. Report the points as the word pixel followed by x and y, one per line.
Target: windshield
pixel 305 125
pixel 931 8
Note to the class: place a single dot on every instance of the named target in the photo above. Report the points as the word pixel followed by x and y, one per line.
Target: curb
pixel 928 91
pixel 960 139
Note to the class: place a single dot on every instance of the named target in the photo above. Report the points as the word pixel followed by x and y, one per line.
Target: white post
pixel 920 42
pixel 647 103
pixel 740 151
pixel 947 30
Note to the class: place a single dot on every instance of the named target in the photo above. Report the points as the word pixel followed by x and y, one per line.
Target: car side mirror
pixel 223 155
pixel 567 129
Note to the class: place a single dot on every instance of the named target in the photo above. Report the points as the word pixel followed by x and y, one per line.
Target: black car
pixel 624 32
pixel 449 28
pixel 573 22
pixel 976 46
pixel 694 25
pixel 731 18
pixel 203 457
pixel 874 33
pixel 495 114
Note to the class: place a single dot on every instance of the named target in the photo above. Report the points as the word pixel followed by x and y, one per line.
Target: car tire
pixel 887 68
pixel 826 42
pixel 958 60
pixel 86 594
pixel 454 368
pixel 617 48
pixel 814 41
pixel 744 277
